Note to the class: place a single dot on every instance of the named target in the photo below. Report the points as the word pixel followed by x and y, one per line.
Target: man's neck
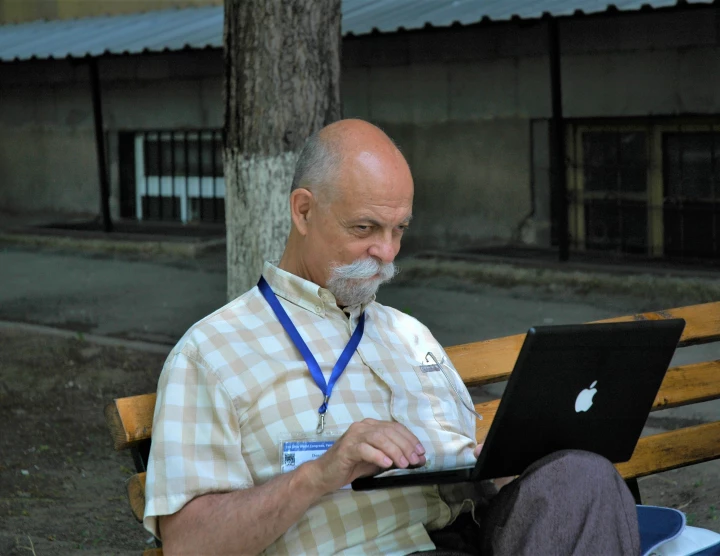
pixel 291 264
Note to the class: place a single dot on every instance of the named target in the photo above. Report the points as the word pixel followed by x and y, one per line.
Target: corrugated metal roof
pixel 197 28
pixel 121 34
pixel 362 16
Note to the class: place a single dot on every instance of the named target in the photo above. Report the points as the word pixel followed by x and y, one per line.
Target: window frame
pixel 655 197
pixel 577 195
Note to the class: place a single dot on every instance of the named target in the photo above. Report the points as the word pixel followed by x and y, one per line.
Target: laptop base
pixel 446 477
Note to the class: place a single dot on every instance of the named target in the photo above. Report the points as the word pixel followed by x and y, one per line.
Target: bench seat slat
pixel 491 361
pixel 684 385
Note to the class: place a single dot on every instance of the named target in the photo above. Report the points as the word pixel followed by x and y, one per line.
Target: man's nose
pixel 384 250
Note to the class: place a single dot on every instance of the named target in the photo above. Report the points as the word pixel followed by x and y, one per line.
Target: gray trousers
pixel 570 502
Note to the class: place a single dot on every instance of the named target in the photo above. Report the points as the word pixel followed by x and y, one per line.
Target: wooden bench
pixel 130 419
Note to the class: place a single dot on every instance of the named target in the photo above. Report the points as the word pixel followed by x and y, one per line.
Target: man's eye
pixel 362 228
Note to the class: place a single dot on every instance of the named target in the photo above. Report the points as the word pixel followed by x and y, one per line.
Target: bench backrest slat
pixel 670 450
pixel 682 385
pixel 136 495
pixel 130 419
pixel 702 322
pixel 490 361
pixel 697 382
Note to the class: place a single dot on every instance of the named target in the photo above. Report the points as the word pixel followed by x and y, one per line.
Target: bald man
pixel 268 408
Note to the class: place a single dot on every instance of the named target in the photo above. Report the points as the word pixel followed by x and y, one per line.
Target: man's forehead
pixel 391 217
pixel 371 197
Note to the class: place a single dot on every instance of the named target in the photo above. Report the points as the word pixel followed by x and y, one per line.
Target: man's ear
pixel 301 205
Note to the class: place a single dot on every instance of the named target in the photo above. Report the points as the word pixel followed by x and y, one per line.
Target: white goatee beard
pixel 356 282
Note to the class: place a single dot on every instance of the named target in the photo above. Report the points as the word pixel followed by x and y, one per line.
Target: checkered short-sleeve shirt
pixel 235 385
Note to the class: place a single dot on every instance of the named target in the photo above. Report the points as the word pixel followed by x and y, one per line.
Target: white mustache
pixel 364 269
pixel 358 281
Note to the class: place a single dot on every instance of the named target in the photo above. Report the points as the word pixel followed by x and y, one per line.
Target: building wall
pixel 47 148
pixel 468 107
pixel 465 139
pixel 48 160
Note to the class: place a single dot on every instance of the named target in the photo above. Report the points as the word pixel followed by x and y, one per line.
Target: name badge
pixel 296 449
pixel 295 453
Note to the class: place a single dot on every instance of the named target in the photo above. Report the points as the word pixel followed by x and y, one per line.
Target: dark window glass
pixel 616 226
pixel 615 168
pixel 691 165
pixel 161 208
pixel 207 210
pixel 615 161
pixel 691 208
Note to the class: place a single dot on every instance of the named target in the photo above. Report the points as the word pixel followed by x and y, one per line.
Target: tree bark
pixel 282 83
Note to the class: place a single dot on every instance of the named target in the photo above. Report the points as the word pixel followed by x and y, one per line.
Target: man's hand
pixel 499 482
pixel 477 450
pixel 367 448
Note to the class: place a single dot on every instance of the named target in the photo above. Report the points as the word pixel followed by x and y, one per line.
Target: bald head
pixel 329 151
pixel 350 204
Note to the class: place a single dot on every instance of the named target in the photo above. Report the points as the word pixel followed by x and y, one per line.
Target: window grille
pixel 179 176
pixel 647 188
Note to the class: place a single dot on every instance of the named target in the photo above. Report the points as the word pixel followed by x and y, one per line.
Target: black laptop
pixel 586 387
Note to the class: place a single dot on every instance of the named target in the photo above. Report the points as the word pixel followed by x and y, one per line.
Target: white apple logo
pixel 585 398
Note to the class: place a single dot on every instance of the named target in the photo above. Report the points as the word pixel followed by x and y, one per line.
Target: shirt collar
pixel 304 293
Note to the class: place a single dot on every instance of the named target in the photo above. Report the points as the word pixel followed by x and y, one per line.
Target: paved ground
pixel 158 299
pixel 111 296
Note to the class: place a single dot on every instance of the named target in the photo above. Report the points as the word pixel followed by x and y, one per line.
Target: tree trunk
pixel 282 83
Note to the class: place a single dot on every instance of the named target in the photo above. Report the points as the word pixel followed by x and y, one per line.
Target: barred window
pixel 646 188
pixel 179 176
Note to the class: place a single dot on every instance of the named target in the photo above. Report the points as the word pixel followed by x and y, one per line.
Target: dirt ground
pixel 62 485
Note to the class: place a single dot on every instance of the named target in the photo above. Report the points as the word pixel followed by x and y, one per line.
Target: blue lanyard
pixel 315 372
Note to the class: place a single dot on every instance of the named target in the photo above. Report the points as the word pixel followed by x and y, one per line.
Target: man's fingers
pixel 477 450
pixel 402 430
pixel 397 428
pixel 373 455
pixel 406 441
pixel 422 461
pixel 382 442
pixel 396 446
pixel 393 440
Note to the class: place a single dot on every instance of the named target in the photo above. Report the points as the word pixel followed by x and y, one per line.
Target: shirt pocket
pixel 442 389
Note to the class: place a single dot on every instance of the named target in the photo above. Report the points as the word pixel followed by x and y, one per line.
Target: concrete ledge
pixel 145 247
pixel 636 282
pixel 139 345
